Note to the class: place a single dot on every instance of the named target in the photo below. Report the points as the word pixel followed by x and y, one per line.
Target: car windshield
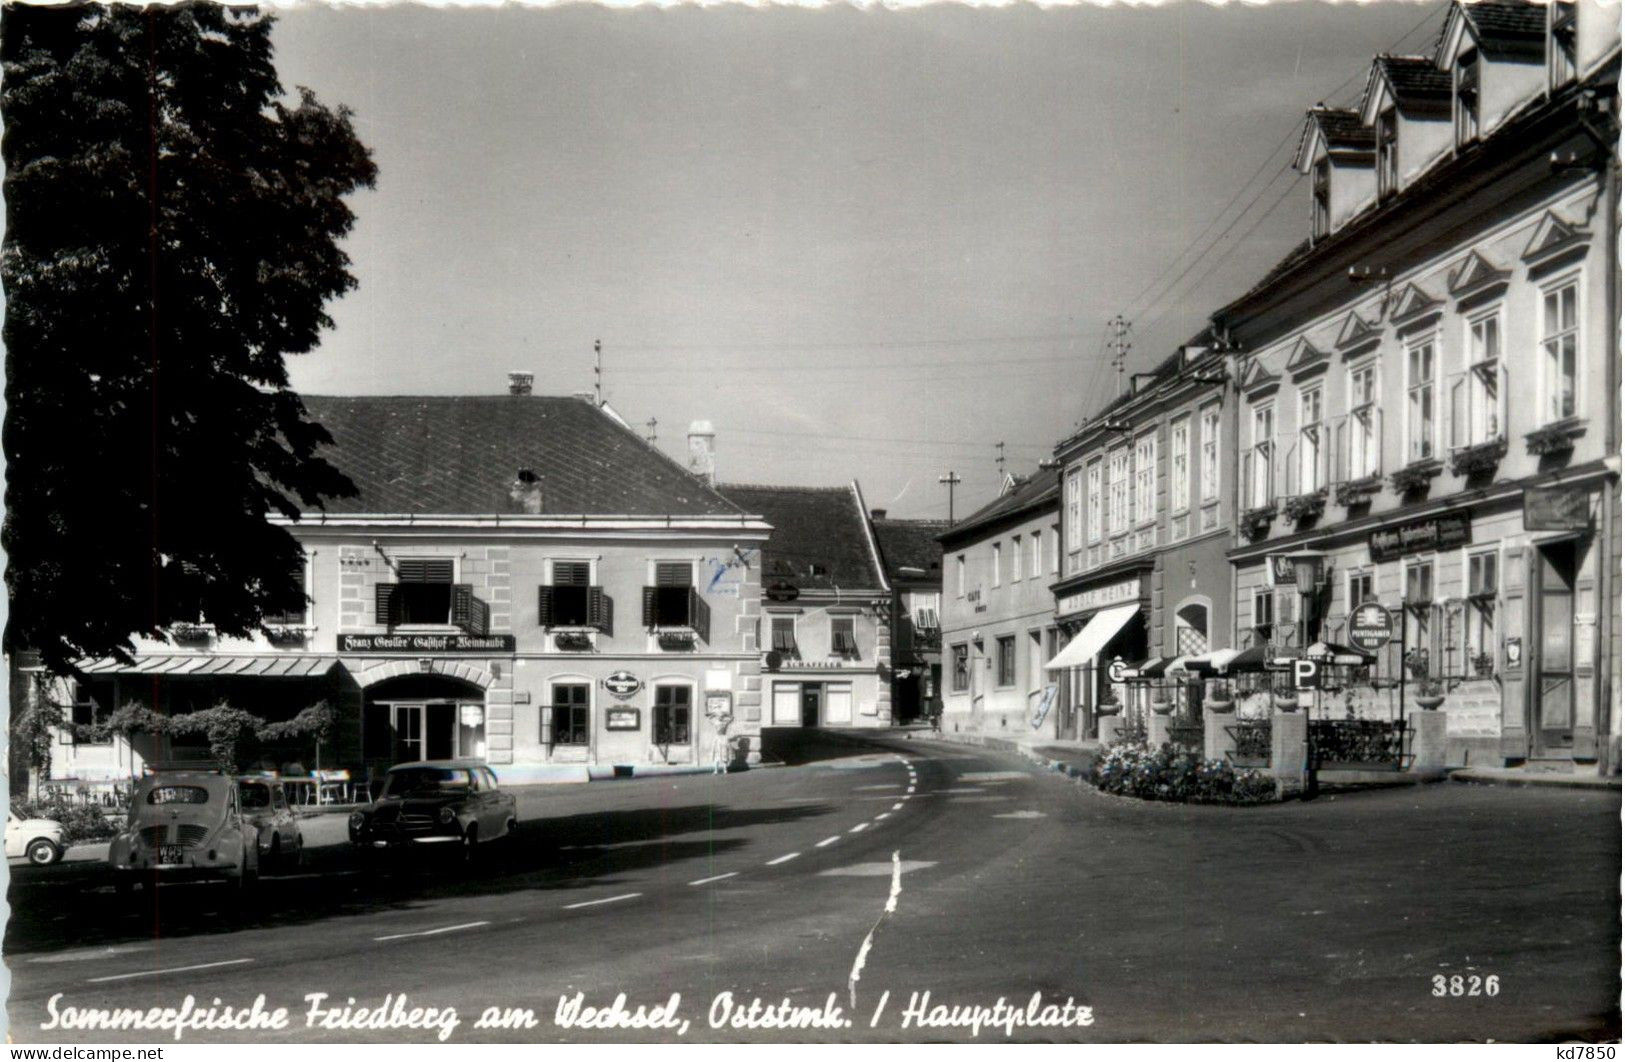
pixel 420 781
pixel 255 795
pixel 178 794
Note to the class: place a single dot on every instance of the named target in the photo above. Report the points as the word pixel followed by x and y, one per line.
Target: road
pixel 1322 920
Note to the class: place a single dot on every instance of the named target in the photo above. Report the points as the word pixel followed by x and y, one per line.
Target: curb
pixel 1473 776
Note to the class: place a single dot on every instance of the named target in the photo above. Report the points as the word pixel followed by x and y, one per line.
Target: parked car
pixel 265 807
pixel 436 803
pixel 185 825
pixel 39 840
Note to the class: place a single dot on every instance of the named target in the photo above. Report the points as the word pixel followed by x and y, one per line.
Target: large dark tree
pixel 172 228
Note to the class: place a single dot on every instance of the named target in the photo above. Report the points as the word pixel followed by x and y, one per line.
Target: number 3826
pixel 1466 985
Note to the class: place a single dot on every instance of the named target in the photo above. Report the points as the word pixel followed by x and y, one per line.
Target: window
pixel 1419 585
pixel 1365 435
pixel 571 600
pixel 1261 458
pixel 1321 221
pixel 1074 511
pixel 674 711
pixel 1420 422
pixel 1482 584
pixel 1007 660
pixel 1387 153
pixel 1037 554
pixel 1145 478
pixel 1419 602
pixel 1560 339
pixel 1015 559
pixel 673 600
pixel 1117 503
pixel 569 714
pixel 1035 660
pixel 1484 417
pixel 1467 68
pixel 1482 575
pixel 1055 541
pixel 1311 440
pixel 293 617
pixel 961 679
pixel 1210 453
pixel 1179 465
pixel 959 571
pixel 90 707
pixel 998 561
pixel 843 637
pixel 1362 588
pixel 1560 54
pixel 425 595
pixel 1263 614
pixel 1097 499
pixel 784 637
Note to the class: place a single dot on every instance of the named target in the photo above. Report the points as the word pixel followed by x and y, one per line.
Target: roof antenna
pixel 1120 347
pixel 598 373
pixel 650 424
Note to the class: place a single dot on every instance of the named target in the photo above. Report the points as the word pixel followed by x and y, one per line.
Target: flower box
pixel 675 639
pixel 1478 459
pixel 573 641
pixel 190 634
pixel 1429 701
pixel 1416 476
pixel 1357 491
pixel 1256 523
pixel 1302 507
pixel 285 635
pixel 1555 438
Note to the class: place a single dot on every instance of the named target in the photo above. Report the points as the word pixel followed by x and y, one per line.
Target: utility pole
pixel 951 478
pixel 650 423
pixel 999 461
pixel 598 372
pixel 1120 346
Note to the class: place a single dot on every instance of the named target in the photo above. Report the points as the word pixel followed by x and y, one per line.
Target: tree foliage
pixel 171 236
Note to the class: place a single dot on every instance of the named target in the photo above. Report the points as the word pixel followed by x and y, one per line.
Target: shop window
pixel 1007 660
pixel 843 637
pixel 784 637
pixel 425 595
pixel 673 714
pixel 570 714
pixel 1190 630
pixel 961 659
pixel 674 601
pixel 1560 345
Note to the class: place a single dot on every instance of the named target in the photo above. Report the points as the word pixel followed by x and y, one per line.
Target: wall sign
pixel 1556 509
pixel 1045 702
pixel 623 717
pixel 1113 594
pixel 623 684
pixel 1441 532
pixel 473 715
pixel 1371 627
pixel 426 643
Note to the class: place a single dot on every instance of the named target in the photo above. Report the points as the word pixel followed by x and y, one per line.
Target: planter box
pixel 1478 460
pixel 1416 476
pixel 1555 438
pixel 1302 507
pixel 1358 491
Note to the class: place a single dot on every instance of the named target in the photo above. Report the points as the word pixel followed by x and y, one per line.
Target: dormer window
pixel 1387 153
pixel 1322 220
pixel 1467 71
pixel 1560 57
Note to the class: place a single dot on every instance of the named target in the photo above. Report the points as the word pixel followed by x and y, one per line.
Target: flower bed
pixel 1178 775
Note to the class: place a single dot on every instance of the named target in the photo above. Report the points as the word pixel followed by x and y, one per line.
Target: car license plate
pixel 170 853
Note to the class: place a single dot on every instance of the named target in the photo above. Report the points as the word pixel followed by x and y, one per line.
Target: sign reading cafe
pixel 1445 531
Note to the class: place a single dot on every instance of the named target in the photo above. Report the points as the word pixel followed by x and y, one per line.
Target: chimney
pixel 877 514
pixel 526 492
pixel 702 451
pixel 519 382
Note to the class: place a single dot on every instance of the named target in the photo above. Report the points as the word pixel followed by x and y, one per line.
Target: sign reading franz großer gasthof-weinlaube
pixel 426 643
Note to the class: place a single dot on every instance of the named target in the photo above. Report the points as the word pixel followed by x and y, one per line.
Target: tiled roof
pixel 1501 20
pixel 1041 487
pixel 820 537
pixel 459 454
pixel 1343 128
pixel 1416 82
pixel 910 544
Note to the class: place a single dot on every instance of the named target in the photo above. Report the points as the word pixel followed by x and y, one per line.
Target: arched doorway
pixel 422 717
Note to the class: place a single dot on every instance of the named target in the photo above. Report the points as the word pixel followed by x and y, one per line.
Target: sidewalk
pixel 1581 777
pixel 1072 758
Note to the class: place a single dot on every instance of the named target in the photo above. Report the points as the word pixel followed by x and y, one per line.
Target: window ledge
pixel 1416 476
pixel 1555 438
pixel 1356 491
pixel 1478 458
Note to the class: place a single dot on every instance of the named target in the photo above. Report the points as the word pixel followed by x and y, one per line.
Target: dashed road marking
pixel 171 970
pixel 858 827
pixel 897 806
pixel 910 789
pixel 715 877
pixel 883 815
pixel 864 788
pixel 432 932
pixel 826 842
pixel 607 899
pixel 782 859
pixel 1021 815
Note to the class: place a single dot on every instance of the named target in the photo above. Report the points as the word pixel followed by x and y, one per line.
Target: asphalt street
pixel 874 874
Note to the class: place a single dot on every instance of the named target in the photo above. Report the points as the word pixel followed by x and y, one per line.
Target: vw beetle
pixel 185 826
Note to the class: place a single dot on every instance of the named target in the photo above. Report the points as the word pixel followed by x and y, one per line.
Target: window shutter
pixel 600 610
pixel 385 604
pixel 544 606
pixel 699 615
pixel 468 612
pixel 570 573
pixel 649 607
pixel 424 569
pixel 674 574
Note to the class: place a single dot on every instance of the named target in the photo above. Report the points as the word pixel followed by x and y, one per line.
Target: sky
pixel 864 244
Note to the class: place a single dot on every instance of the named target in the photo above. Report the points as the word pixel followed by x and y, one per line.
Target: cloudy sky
pixel 864 244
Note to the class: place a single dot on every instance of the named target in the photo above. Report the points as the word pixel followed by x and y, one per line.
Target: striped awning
pixel 193 665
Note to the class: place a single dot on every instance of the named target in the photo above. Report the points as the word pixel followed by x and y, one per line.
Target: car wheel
pixel 42 852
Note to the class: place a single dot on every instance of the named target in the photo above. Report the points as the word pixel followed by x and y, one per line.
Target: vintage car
pixel 452 803
pixel 185 825
pixel 39 840
pixel 265 806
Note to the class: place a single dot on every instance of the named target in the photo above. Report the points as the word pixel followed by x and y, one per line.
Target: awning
pixel 1148 669
pixel 1248 660
pixel 1331 653
pixel 1083 649
pixel 192 665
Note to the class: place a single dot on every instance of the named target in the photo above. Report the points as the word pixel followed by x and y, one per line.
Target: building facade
pixel 826 607
pixel 1429 398
pixel 521 579
pixel 1146 518
pixel 998 628
pixel 913 558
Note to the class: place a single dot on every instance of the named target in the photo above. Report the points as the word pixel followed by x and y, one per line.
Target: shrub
pixel 80 822
pixel 1176 774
